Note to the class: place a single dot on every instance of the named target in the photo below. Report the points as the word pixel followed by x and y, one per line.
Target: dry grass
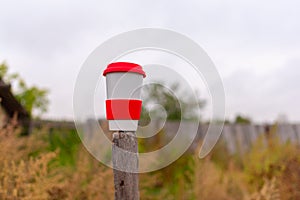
pixel 269 191
pixel 89 180
pixel 21 176
pixel 28 170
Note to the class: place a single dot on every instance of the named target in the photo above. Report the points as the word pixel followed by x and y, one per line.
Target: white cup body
pixel 123 85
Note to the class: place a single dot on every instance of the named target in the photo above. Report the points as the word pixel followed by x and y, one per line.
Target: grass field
pixel 53 164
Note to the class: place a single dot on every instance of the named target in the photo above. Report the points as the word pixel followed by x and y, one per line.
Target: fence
pixel 237 137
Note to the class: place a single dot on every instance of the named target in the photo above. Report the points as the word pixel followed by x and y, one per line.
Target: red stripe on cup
pixel 123 109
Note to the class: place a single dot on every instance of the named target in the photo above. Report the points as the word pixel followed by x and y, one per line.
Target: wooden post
pixel 126 183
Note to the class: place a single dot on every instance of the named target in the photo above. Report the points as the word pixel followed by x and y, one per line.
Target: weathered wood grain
pixel 125 161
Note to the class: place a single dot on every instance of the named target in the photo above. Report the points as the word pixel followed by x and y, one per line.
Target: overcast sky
pixel 254 44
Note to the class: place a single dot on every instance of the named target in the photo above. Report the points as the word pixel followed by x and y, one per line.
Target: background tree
pixel 33 98
pixel 242 120
pixel 182 106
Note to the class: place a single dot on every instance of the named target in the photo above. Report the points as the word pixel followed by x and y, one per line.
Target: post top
pixel 124 67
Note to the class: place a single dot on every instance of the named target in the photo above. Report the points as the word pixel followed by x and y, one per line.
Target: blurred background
pixel 255 47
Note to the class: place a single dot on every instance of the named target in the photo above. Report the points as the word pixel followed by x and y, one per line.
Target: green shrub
pixel 66 142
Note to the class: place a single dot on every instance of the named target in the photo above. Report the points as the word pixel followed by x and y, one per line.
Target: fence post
pixel 125 183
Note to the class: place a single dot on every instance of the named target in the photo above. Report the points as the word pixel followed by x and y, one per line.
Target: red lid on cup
pixel 124 67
